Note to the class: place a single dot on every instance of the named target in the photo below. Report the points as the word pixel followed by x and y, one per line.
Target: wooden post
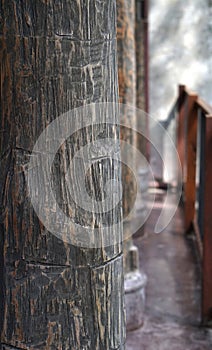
pixel 134 288
pixel 190 164
pixel 141 72
pixel 127 95
pixel 55 56
pixel 207 225
pixel 181 126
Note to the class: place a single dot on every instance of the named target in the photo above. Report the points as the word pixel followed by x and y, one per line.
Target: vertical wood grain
pixel 207 224
pixel 141 34
pixel 56 56
pixel 181 127
pixel 190 161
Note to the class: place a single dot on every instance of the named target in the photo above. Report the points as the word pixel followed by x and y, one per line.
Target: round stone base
pixel 134 284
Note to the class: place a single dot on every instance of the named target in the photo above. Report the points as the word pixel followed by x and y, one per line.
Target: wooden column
pixel 140 55
pixel 134 280
pixel 141 37
pixel 127 95
pixel 55 56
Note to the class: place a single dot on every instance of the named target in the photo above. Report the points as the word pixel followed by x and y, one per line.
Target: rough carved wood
pixel 55 56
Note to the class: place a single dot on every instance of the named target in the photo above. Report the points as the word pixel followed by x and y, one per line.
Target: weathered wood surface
pixel 55 56
pixel 181 129
pixel 191 154
pixel 207 224
pixel 127 96
pixel 126 52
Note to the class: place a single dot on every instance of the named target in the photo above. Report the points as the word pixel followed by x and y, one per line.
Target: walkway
pixel 172 317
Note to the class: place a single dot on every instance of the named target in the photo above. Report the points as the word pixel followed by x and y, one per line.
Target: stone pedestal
pixel 134 285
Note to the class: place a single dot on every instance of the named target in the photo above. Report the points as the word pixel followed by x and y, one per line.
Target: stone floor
pixel 173 294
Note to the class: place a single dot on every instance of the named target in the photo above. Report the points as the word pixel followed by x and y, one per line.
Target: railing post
pixel 189 106
pixel 190 160
pixel 181 124
pixel 207 226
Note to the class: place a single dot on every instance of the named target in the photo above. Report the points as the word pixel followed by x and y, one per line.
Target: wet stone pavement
pixel 173 294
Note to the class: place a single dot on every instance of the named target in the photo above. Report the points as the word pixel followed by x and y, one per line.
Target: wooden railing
pixel 194 144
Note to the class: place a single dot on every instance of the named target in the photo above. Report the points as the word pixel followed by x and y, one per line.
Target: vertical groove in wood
pixel 181 126
pixel 56 56
pixel 207 224
pixel 141 73
pixel 191 149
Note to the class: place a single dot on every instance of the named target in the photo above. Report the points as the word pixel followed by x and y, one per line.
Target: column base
pixel 134 284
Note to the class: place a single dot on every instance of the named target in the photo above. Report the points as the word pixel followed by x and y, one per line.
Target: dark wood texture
pixel 140 60
pixel 190 162
pixel 207 224
pixel 55 56
pixel 141 37
pixel 126 52
pixel 181 127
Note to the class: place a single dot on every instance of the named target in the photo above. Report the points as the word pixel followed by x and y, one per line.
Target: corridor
pixel 173 293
